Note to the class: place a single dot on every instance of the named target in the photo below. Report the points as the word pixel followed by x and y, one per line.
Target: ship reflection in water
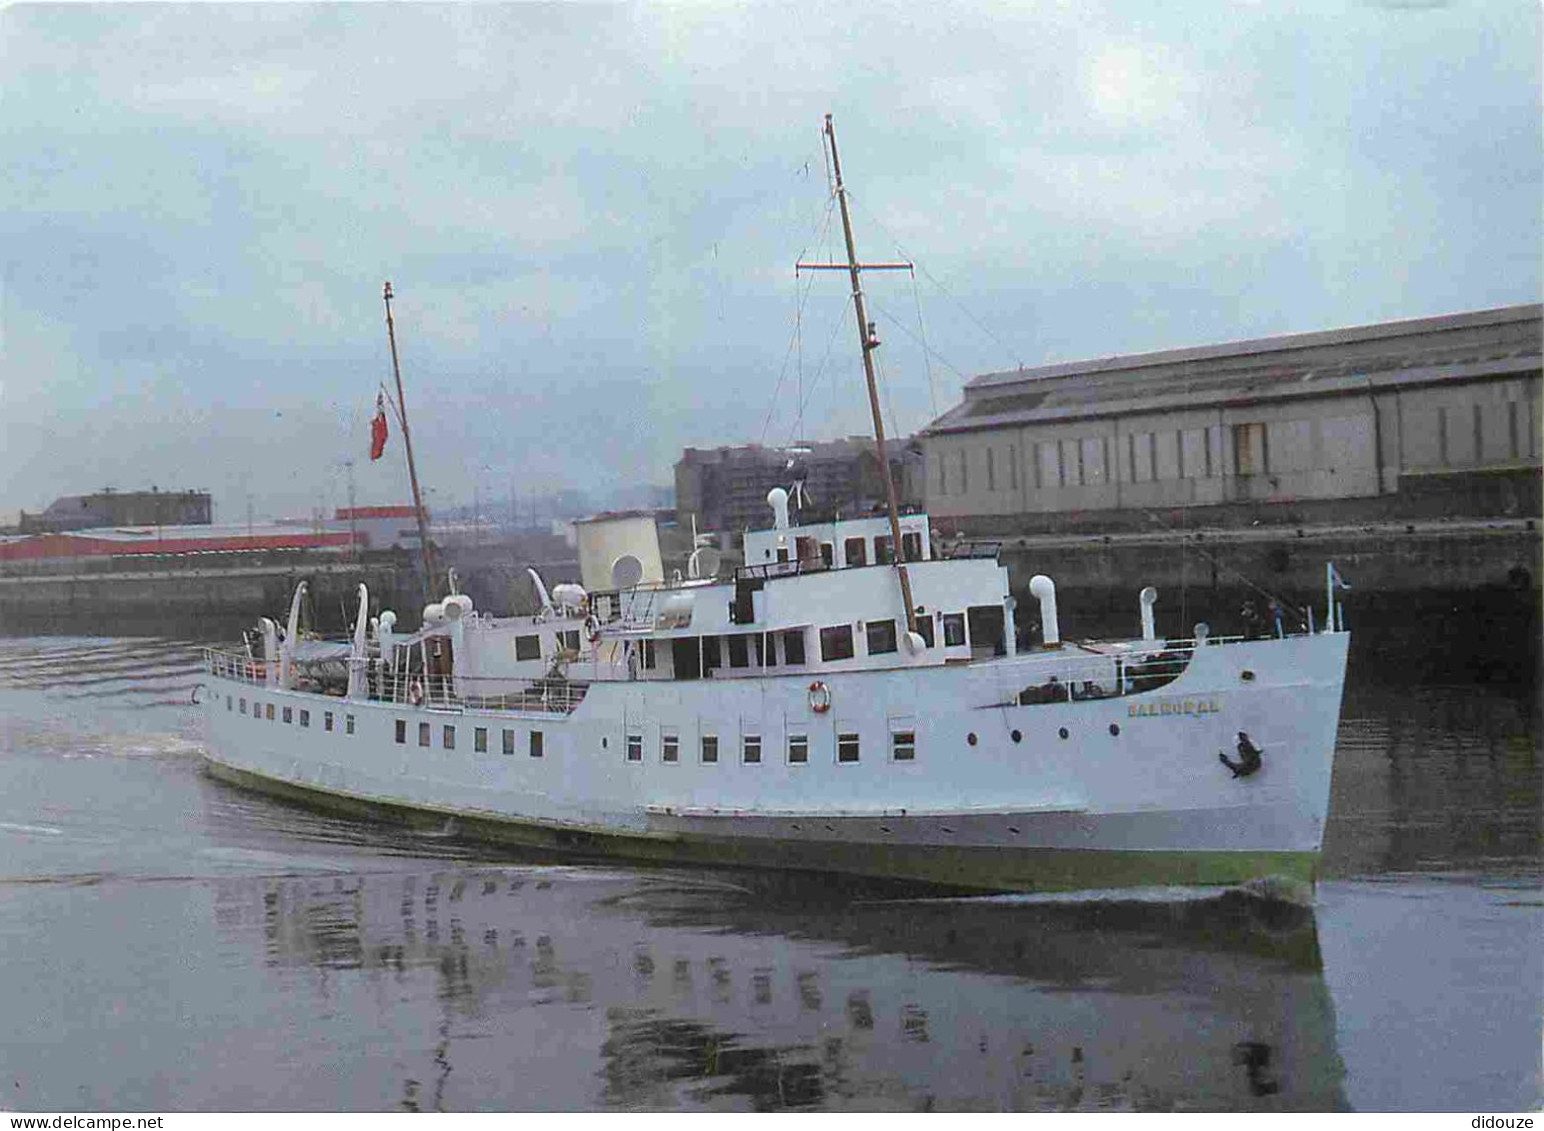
pixel 531 988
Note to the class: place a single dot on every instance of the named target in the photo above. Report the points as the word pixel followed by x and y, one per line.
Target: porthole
pixel 1246 675
pixel 971 738
pixel 1017 736
pixel 1114 728
pixel 1062 732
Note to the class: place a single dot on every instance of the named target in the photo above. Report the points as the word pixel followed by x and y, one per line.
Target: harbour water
pixel 171 943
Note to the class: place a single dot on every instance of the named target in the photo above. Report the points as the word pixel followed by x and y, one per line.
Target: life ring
pixel 820 697
pixel 415 693
pixel 591 629
pixel 193 698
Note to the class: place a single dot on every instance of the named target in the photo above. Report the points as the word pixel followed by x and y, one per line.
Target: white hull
pixel 1134 793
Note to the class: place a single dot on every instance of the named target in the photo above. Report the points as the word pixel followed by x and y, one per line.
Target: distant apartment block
pixel 120 508
pixel 726 488
pixel 1428 417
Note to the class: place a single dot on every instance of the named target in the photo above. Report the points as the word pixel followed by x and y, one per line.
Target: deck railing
pixel 549 694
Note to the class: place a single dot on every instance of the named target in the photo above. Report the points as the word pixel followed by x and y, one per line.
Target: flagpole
pixel 407 442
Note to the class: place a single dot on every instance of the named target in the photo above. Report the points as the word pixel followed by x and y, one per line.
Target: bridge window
pixel 739 652
pixel 401 732
pixel 711 657
pixel 883 553
pixel 836 643
pixel 528 647
pixel 423 734
pixel 709 749
pixel 480 740
pixel 509 742
pixel 448 738
pixel 538 745
pixel 847 747
pixel 327 720
pixel 881 637
pixel 289 714
pixel 793 647
pixel 911 545
pixel 348 724
pixel 827 553
pixel 954 630
pixel 305 717
pixel 925 629
pixel 855 552
pixel 647 651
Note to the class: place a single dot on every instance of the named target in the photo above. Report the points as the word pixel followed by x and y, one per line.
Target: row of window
pixel 903 748
pixel 786 647
pixel 855 549
pixel 266 711
pixel 535 743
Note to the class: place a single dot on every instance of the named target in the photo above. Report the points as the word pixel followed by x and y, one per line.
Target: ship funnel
pixel 1148 598
pixel 1044 590
pixel 777 499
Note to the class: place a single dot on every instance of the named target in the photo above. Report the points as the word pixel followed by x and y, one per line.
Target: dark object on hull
pixel 1248 757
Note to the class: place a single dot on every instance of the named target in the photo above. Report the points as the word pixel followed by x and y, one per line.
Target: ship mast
pixel 869 342
pixel 407 442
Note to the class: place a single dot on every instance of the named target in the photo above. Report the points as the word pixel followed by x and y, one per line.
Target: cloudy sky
pixel 590 214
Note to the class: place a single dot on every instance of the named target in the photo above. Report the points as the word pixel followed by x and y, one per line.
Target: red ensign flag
pixel 378 428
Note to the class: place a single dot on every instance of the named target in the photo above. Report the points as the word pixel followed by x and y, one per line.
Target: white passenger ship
pixel 832 705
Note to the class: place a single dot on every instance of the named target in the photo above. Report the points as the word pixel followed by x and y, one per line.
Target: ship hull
pixel 1115 792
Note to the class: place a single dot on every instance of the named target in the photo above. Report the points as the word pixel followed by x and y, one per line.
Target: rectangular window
pixel 739 652
pixel 855 552
pixel 289 714
pixel 448 738
pixel 305 717
pixel 793 647
pixel 669 747
pixel 348 724
pixel 228 698
pixel 268 711
pixel 570 640
pixel 327 720
pixel 836 643
pixel 954 630
pixel 648 654
pixel 709 749
pixel 964 473
pixel 1249 457
pixel 1013 467
pixel 401 732
pixel 538 747
pixel 528 647
pixel 881 637
pixel 911 545
pixel 509 742
pixel 943 480
pixel 750 750
pixel 798 749
pixel 847 746
pixel 480 740
pixel 423 734
pixel 635 747
pixel 243 706
pixel 903 745
pixel 925 629
pixel 827 554
pixel 883 554
pixel 991 469
pixel 710 654
pixel 257 711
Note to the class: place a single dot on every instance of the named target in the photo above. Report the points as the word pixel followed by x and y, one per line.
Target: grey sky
pixel 590 215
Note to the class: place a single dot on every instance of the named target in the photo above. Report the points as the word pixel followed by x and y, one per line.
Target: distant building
pixel 726 488
pixel 120 508
pixel 1427 417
